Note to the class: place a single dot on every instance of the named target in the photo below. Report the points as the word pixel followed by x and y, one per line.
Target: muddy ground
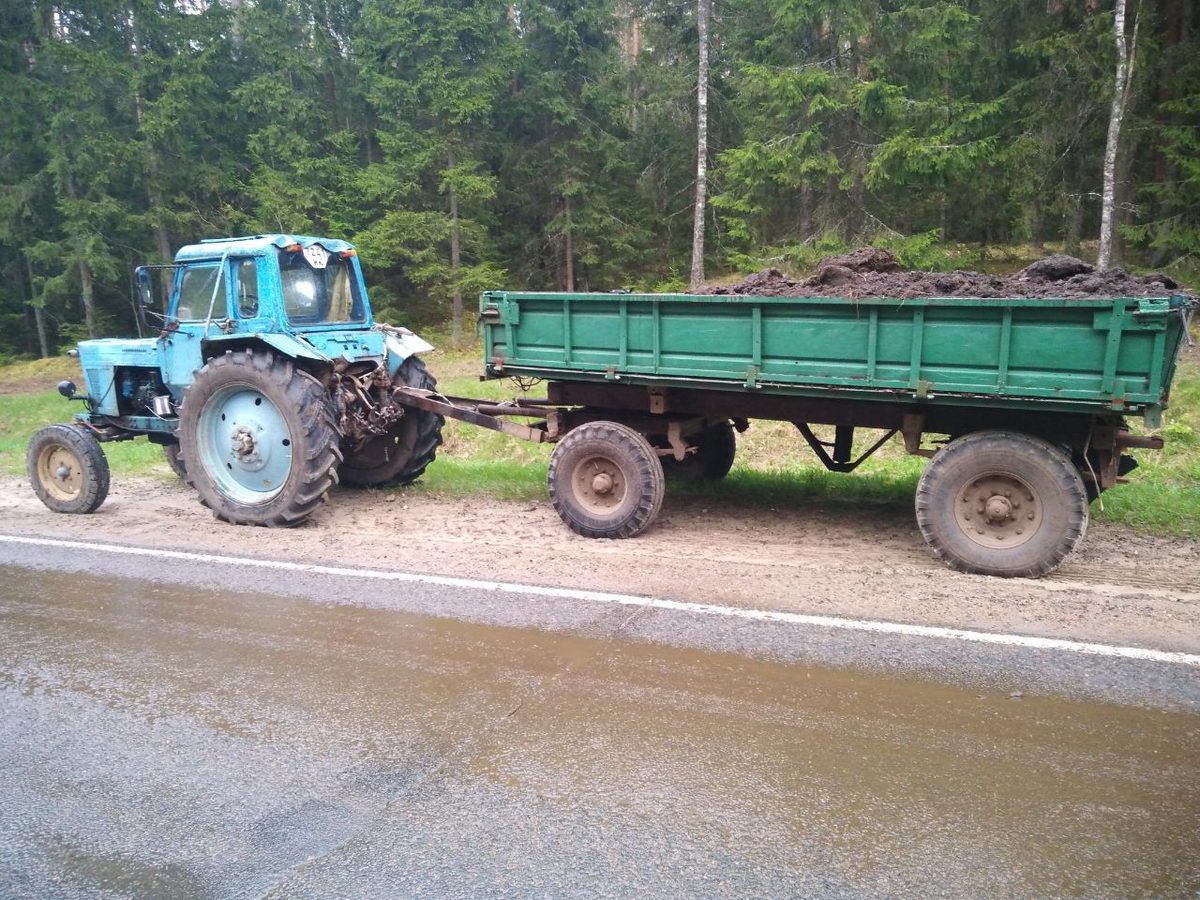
pixel 861 561
pixel 875 272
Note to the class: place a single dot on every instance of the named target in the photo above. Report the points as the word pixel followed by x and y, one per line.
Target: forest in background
pixel 466 145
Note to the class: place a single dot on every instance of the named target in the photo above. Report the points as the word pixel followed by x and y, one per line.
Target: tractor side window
pixel 196 293
pixel 246 271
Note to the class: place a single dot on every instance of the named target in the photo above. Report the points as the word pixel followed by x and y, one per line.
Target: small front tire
pixel 605 481
pixel 68 469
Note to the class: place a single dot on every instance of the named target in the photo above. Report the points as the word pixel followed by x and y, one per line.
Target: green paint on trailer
pixel 1103 355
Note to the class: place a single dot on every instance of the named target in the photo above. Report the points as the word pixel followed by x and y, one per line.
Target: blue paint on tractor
pixel 302 297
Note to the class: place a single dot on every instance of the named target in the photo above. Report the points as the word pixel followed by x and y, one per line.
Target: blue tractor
pixel 268 383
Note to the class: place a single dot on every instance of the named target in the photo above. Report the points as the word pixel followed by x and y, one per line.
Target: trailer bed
pixel 1106 354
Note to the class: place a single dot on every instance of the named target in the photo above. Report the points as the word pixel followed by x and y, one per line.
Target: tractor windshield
pixel 316 294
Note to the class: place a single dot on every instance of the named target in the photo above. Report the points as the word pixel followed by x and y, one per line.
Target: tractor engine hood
pixel 99 359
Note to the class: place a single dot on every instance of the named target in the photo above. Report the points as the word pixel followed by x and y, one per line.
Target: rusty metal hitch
pixel 485 414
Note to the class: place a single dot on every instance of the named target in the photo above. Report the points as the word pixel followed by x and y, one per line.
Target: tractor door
pixel 199 305
pixel 210 299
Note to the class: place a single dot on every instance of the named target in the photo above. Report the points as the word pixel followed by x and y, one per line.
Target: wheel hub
pixel 245 444
pixel 998 510
pixel 60 472
pixel 246 447
pixel 598 484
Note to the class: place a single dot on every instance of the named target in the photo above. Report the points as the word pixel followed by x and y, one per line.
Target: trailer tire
pixel 67 468
pixel 605 481
pixel 175 460
pixel 259 439
pixel 716 447
pixel 1002 503
pixel 403 454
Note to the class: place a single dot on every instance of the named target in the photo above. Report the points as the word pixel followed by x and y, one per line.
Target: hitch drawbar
pixel 485 414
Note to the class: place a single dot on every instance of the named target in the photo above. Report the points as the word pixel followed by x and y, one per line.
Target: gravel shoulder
pixel 1121 587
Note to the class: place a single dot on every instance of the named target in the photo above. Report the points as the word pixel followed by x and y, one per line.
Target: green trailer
pixel 1021 405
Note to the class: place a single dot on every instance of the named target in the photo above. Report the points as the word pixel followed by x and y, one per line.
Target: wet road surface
pixel 163 740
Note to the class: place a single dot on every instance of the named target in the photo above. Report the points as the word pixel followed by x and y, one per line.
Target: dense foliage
pixel 550 143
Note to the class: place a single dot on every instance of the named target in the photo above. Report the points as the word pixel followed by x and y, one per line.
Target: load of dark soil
pixel 875 272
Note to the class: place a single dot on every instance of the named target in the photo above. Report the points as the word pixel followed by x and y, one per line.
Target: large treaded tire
pixel 716 448
pixel 632 501
pixel 401 456
pixel 83 484
pixel 1041 509
pixel 313 436
pixel 174 460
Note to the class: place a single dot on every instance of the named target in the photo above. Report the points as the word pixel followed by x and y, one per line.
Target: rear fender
pixel 283 344
pixel 401 344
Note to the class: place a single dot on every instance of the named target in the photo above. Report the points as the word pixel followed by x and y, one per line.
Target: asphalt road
pixel 178 728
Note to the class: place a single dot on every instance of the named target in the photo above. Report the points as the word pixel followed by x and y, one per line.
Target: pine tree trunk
pixel 805 221
pixel 39 314
pixel 235 30
pixel 1113 144
pixel 456 307
pixel 88 292
pixel 86 282
pixel 39 320
pixel 1074 226
pixel 1037 226
pixel 153 190
pixel 703 17
pixel 568 247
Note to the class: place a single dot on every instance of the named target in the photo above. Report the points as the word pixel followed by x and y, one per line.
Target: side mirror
pixel 145 287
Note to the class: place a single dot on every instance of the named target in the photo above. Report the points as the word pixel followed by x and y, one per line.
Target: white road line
pixel 761 615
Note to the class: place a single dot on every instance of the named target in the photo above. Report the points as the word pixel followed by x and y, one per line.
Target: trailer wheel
pixel 259 439
pixel 68 469
pixel 605 481
pixel 1002 503
pixel 175 460
pixel 402 455
pixel 716 447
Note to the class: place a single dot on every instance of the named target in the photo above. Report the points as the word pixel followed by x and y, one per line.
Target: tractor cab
pixel 271 283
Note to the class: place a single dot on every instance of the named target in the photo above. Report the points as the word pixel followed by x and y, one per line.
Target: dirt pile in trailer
pixel 875 272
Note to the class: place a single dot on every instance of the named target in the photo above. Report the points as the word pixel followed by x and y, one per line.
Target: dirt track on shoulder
pixel 858 561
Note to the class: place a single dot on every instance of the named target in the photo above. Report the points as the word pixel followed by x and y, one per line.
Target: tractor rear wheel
pixel 259 438
pixel 174 459
pixel 68 468
pixel 402 455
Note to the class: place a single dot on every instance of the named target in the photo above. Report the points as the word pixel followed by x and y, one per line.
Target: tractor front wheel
pixel 68 468
pixel 259 439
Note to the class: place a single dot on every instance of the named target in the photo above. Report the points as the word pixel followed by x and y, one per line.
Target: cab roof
pixel 253 245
